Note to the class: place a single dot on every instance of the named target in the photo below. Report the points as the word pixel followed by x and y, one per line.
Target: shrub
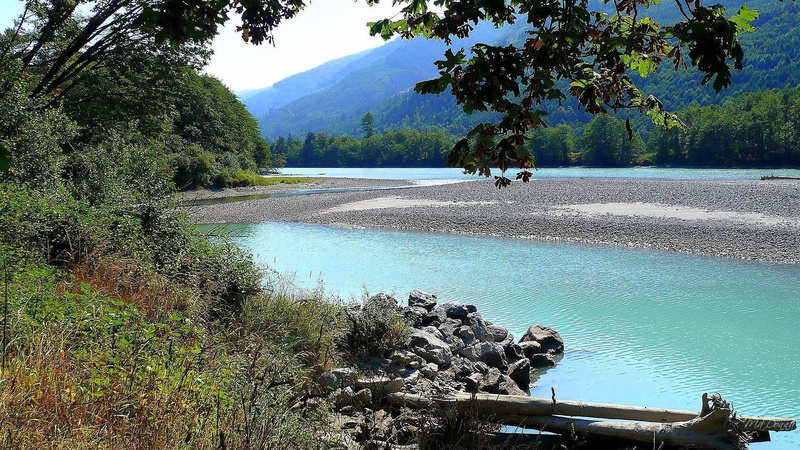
pixel 373 329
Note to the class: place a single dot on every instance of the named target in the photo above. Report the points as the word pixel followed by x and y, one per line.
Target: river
pixel 641 327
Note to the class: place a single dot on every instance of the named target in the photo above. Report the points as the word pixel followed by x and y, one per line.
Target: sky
pixel 325 30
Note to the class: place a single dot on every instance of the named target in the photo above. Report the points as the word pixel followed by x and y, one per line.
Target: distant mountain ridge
pixel 334 96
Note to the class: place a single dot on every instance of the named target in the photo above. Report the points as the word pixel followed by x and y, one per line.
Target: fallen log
pixel 515 405
pixel 716 427
pixel 710 431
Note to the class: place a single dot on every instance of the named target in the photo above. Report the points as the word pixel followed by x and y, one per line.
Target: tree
pixel 607 144
pixel 368 125
pixel 572 48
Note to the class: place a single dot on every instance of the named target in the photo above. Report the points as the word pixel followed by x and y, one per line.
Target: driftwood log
pixel 716 426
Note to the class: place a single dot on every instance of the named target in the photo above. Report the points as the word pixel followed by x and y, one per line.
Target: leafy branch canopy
pixel 588 50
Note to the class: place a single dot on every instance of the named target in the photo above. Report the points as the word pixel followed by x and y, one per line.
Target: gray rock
pixel 548 338
pixel 507 386
pixel 499 333
pixel 455 343
pixel 489 352
pixel 542 360
pixel 455 310
pixel 473 382
pixel 343 397
pixel 520 372
pixel 482 367
pixel 422 300
pixel 431 348
pixel 429 370
pixel 513 352
pixel 337 378
pixel 530 348
pixel 466 333
pixel 381 385
pixel 404 358
pixel 364 397
pixel 433 330
pixel 479 328
pixel 448 328
pixel 491 381
pixel 435 317
pixel 414 315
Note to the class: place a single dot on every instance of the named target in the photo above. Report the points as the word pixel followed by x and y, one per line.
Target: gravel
pixel 747 219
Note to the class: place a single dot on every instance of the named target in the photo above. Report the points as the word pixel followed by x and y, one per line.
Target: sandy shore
pixel 749 219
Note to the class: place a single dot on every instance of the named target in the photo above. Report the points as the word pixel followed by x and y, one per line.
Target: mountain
pixel 340 92
pixel 261 101
pixel 333 97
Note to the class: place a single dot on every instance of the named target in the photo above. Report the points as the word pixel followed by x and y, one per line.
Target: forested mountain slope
pixel 383 86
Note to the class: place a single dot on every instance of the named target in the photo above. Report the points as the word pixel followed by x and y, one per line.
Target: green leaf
pixel 743 18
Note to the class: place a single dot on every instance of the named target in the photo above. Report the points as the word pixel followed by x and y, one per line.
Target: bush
pixel 373 329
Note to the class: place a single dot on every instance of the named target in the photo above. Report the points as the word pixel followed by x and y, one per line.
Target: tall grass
pixel 110 355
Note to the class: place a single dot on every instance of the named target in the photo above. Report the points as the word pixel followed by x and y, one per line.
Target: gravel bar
pixel 746 219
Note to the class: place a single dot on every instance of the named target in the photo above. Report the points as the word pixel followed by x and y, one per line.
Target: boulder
pixel 466 333
pixel 414 315
pixel 471 308
pixel 343 397
pixel 433 330
pixel 491 381
pixel 455 342
pixel 479 328
pixel 548 338
pixel 422 300
pixel 431 348
pixel 520 372
pixel 513 352
pixel 530 348
pixel 507 386
pixel 404 358
pixel 455 310
pixel 473 382
pixel 482 367
pixel 337 378
pixel 429 370
pixel 542 360
pixel 434 317
pixel 364 397
pixel 489 352
pixel 498 333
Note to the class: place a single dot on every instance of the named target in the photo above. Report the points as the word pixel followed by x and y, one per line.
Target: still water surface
pixel 641 327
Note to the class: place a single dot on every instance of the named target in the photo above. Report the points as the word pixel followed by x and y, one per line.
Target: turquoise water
pixel 566 172
pixel 641 327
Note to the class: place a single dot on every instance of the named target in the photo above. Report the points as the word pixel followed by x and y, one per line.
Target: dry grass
pixel 111 356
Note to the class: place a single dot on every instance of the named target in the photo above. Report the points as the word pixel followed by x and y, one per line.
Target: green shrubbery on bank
pixel 120 332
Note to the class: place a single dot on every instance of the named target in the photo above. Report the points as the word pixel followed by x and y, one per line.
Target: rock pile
pixel 455 346
pixel 451 347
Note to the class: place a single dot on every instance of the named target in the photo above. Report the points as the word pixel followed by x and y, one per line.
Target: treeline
pixel 755 129
pixel 404 148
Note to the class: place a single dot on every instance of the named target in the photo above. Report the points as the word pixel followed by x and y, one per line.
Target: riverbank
pixel 748 219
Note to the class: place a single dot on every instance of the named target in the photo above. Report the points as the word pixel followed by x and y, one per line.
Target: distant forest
pixel 753 129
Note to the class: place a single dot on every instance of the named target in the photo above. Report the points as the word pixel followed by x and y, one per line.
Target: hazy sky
pixel 325 30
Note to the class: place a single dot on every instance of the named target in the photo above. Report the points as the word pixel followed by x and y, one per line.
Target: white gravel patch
pixel 662 211
pixel 396 202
